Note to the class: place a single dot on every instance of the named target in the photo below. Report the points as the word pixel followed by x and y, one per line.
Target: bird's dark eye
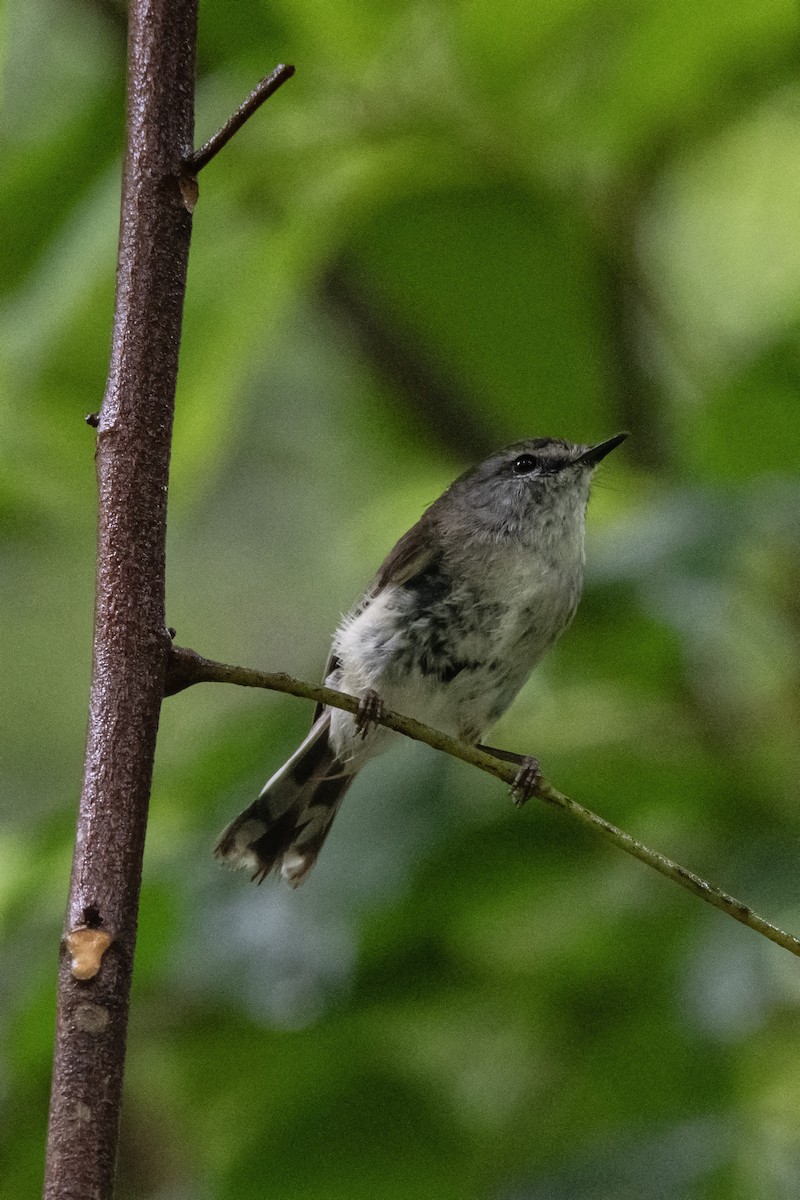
pixel 525 464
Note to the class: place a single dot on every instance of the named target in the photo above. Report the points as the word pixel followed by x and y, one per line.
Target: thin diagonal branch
pixel 430 396
pixel 195 162
pixel 186 667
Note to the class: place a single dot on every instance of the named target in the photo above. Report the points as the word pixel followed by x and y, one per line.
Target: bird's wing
pixel 409 557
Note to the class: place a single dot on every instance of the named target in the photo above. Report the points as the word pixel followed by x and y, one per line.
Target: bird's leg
pixel 370 711
pixel 528 777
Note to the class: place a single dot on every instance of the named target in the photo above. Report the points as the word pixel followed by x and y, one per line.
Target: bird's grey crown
pixel 552 452
pixel 492 502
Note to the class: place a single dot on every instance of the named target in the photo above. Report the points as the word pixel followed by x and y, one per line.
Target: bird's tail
pixel 285 827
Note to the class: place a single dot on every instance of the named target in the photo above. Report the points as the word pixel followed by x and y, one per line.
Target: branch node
pixel 184 668
pixel 260 93
pixel 92 419
pixel 190 192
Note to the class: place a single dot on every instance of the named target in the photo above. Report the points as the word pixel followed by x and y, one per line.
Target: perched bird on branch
pixel 457 617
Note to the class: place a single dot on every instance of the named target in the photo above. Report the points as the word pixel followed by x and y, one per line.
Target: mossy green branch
pixel 186 667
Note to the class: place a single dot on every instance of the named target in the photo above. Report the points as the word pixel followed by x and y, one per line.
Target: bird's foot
pixel 526 781
pixel 370 711
pixel 527 778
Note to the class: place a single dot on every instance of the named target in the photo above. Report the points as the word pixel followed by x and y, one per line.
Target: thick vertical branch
pixel 130 641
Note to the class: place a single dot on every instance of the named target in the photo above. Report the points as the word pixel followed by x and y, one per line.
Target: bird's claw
pixel 526 780
pixel 370 711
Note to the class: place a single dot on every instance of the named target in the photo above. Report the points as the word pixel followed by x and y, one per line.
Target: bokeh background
pixel 460 224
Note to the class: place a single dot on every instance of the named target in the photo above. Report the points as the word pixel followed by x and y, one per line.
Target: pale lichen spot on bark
pixel 86 949
pixel 91 1018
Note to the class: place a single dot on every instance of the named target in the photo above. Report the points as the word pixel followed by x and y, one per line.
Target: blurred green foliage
pixel 460 224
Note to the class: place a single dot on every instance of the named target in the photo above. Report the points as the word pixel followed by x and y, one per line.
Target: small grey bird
pixel 457 617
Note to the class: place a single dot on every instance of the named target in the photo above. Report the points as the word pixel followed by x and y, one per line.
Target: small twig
pixel 260 93
pixel 186 667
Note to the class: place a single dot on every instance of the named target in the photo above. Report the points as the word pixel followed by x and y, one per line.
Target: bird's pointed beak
pixel 596 454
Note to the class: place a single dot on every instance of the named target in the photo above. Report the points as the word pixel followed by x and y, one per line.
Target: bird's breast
pixel 460 634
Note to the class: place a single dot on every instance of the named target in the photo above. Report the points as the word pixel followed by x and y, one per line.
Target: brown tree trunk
pixel 131 644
